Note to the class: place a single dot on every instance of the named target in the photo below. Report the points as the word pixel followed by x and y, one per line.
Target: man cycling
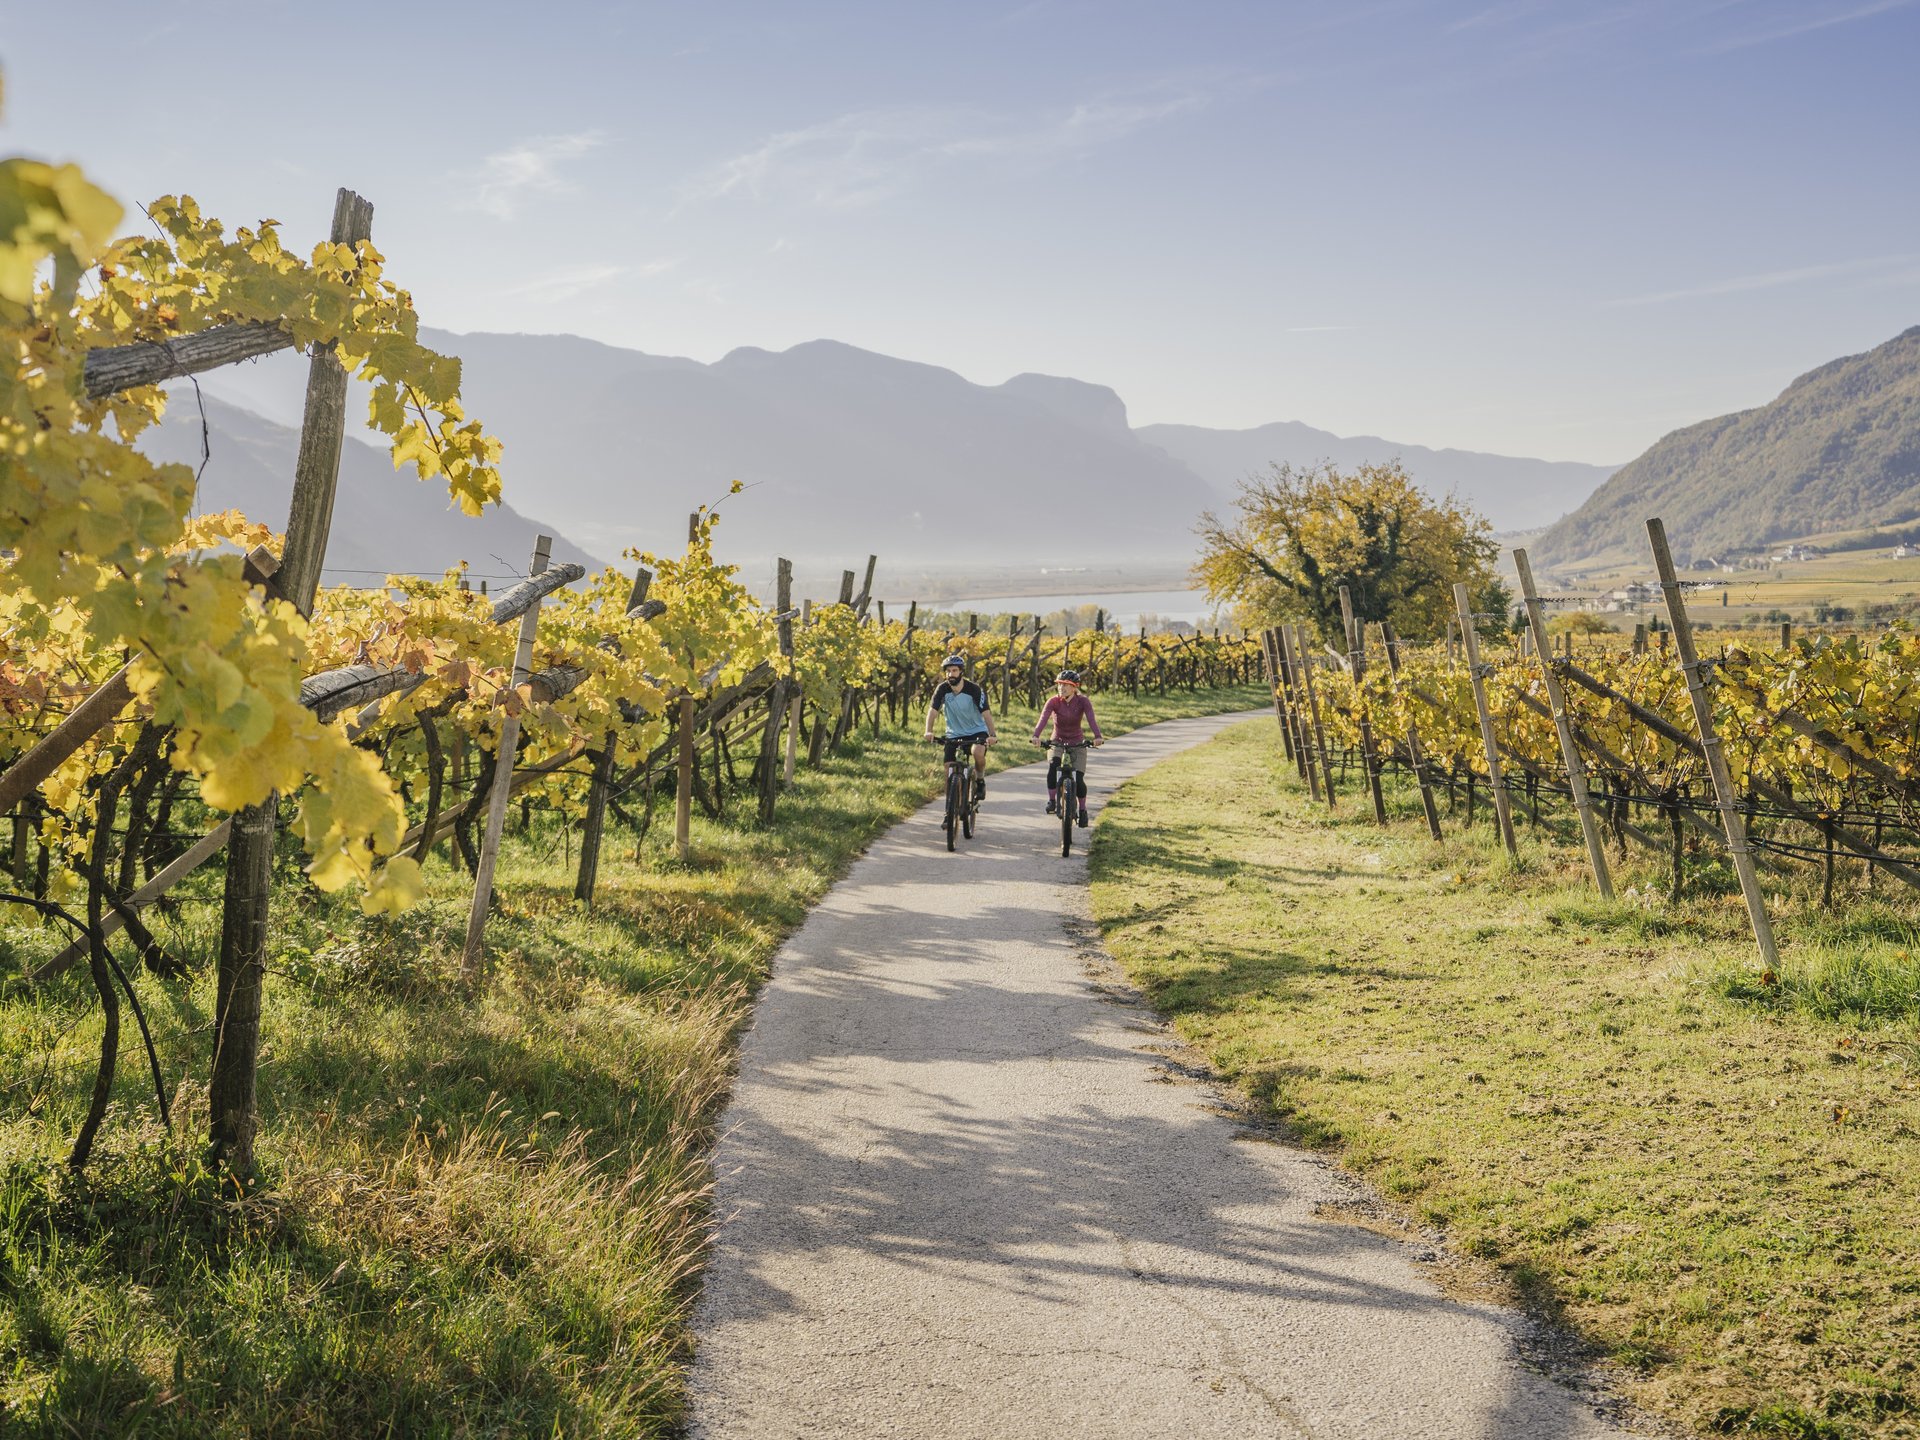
pixel 1068 711
pixel 969 720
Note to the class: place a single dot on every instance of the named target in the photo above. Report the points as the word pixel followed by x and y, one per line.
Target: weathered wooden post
pixel 1303 662
pixel 1303 733
pixel 1563 727
pixel 1726 798
pixel 243 929
pixel 799 704
pixel 1496 778
pixel 593 826
pixel 1294 704
pixel 826 721
pixel 1006 668
pixel 1357 658
pixel 777 705
pixel 475 951
pixel 1416 754
pixel 1273 684
pixel 850 697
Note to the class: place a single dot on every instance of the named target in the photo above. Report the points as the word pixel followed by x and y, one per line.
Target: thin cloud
pixel 1769 280
pixel 502 183
pixel 868 155
pixel 1315 329
pixel 1803 27
pixel 565 284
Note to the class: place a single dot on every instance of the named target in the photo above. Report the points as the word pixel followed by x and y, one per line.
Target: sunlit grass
pixel 482 1208
pixel 1702 1169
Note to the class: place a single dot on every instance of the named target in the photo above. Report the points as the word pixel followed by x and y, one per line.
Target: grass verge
pixel 1706 1175
pixel 483 1210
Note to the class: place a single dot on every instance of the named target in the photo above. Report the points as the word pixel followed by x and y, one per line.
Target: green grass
pixel 1607 1108
pixel 482 1209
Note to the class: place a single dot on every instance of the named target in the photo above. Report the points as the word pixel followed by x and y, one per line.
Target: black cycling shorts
pixel 954 742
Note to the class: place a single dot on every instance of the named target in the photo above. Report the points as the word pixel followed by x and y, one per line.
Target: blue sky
pixel 1557 229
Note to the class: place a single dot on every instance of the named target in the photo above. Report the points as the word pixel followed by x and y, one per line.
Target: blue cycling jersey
pixel 965 708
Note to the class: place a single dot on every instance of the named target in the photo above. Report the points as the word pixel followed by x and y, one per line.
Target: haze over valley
pixel 843 452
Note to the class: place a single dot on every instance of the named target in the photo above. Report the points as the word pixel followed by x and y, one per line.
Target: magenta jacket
pixel 1068 716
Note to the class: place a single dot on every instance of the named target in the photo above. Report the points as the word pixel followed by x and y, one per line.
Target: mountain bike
pixel 1072 767
pixel 963 805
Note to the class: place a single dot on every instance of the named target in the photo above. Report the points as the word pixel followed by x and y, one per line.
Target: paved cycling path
pixel 960 1198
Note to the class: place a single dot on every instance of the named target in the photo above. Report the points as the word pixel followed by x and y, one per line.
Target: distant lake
pixel 1124 608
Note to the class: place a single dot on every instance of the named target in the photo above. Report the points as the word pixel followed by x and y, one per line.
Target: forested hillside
pixel 1838 449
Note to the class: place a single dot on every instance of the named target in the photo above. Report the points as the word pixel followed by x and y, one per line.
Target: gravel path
pixel 964 1196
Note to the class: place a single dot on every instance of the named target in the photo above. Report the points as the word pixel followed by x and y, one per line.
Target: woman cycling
pixel 1068 711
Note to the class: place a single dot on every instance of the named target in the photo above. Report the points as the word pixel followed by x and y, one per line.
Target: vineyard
pixel 1756 758
pixel 226 1081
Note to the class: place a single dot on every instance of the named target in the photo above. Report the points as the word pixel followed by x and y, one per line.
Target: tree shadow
pixel 950 1167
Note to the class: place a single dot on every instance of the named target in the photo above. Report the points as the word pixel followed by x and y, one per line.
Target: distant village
pixel 1640 595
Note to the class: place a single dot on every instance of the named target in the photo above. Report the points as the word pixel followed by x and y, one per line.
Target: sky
pixel 1535 228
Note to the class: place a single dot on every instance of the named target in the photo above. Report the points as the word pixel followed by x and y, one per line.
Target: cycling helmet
pixel 959 660
pixel 1068 675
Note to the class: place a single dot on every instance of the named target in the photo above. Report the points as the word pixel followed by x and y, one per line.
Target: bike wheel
pixel 1067 802
pixel 953 806
pixel 972 810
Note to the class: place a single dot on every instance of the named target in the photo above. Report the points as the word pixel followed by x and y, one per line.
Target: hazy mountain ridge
pixel 846 451
pixel 1838 449
pixel 385 521
pixel 1513 492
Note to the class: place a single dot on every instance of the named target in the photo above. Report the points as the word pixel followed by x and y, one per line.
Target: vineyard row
pixel 1801 752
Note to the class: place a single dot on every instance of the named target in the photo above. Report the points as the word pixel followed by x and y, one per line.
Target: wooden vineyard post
pixel 850 697
pixel 799 704
pixel 1303 736
pixel 1295 712
pixel 1496 779
pixel 1357 657
pixel 1273 684
pixel 475 951
pixel 593 826
pixel 1563 728
pixel 782 688
pixel 1725 797
pixel 243 927
pixel 683 789
pixel 1304 662
pixel 824 720
pixel 1006 669
pixel 1415 753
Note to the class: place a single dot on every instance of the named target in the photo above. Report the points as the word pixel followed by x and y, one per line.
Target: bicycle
pixel 963 804
pixel 1072 770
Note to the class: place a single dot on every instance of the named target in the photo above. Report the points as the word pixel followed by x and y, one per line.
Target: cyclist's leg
pixel 980 766
pixel 949 753
pixel 1080 779
pixel 1053 780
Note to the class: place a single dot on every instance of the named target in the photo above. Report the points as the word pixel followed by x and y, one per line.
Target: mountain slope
pixel 1839 448
pixel 848 451
pixel 1514 493
pixel 384 521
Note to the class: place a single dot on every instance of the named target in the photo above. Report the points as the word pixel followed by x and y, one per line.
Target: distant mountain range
pixel 385 521
pixel 1838 449
pixel 1515 494
pixel 845 452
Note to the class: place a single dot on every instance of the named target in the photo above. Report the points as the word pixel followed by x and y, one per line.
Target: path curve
pixel 961 1197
